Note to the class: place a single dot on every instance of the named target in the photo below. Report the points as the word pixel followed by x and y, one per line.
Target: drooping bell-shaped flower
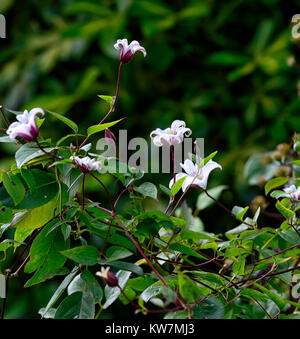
pixel 86 164
pixel 128 51
pixel 195 175
pixel 109 278
pixel 25 127
pixel 171 136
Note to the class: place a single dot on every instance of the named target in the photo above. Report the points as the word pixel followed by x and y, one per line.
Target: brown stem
pixel 47 153
pixel 112 108
pixel 142 253
pixel 105 189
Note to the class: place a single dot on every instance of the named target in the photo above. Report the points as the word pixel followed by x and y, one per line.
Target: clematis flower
pixel 195 175
pixel 87 164
pixel 128 51
pixel 109 278
pixel 25 127
pixel 171 136
pixel 292 192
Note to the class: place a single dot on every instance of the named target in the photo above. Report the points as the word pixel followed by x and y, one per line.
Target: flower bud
pixel 261 180
pixel 284 149
pixel 291 61
pixel 258 201
pixel 109 135
pixel 277 155
pixel 109 278
pixel 283 171
pixel 266 159
pixel 296 146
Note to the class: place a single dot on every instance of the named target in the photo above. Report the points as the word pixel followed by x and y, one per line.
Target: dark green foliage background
pixel 218 65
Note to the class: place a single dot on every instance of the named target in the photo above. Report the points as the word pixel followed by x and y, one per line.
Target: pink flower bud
pixel 109 135
pixel 109 278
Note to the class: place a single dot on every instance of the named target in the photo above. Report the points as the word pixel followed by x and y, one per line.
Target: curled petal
pixel 176 124
pixel 121 43
pixel 136 47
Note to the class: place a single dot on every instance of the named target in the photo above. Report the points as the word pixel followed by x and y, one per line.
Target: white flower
pixel 292 192
pixel 25 127
pixel 128 51
pixel 195 175
pixel 171 136
pixel 87 164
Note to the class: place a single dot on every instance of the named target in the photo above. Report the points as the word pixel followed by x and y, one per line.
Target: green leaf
pixel 238 267
pixel 287 213
pixel 87 305
pixel 2 286
pixel 165 190
pixel 112 293
pixel 28 176
pixel 91 283
pixel 28 152
pixel 34 219
pixel 98 128
pixel 177 186
pixel 113 237
pixel 234 252
pixel 109 99
pixel 66 231
pixel 210 308
pixel 69 307
pixel 278 194
pixel 45 257
pixel 117 252
pixel 7 139
pixel 290 236
pixel 273 296
pixel 86 255
pixel 185 250
pixel 204 201
pixel 148 189
pixel 151 291
pixel 206 160
pixel 14 187
pixel 59 291
pixel 250 293
pixel 211 277
pixel 239 212
pixel 188 289
pixel 276 182
pixel 65 120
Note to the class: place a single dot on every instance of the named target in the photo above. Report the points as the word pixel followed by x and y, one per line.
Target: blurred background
pixel 222 66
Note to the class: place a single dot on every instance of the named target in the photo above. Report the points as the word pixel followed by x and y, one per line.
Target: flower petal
pixel 211 165
pixel 189 167
pixel 187 182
